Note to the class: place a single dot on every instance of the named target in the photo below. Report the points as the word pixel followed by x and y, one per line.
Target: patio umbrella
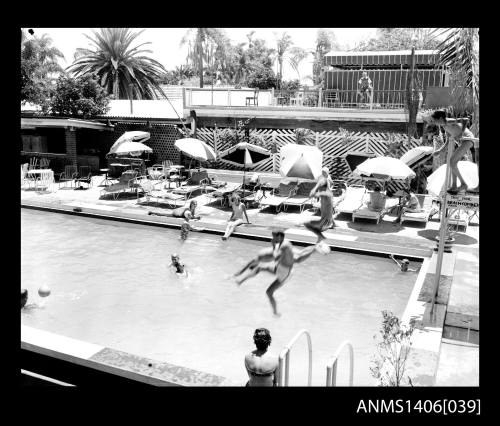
pixel 417 156
pixel 301 161
pixel 355 158
pixel 129 148
pixel 245 154
pixel 384 168
pixel 195 149
pixel 436 181
pixel 134 136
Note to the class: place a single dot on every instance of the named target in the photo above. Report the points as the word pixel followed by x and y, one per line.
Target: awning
pixel 71 123
pixel 382 58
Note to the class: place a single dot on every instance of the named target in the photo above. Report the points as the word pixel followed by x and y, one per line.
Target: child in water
pixel 403 265
pixel 176 265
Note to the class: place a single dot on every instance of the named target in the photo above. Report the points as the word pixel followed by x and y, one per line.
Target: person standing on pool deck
pixel 236 218
pixel 322 189
pixel 261 367
pixel 465 140
pixel 278 260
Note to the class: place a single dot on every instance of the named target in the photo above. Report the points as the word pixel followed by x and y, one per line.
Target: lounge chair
pixel 353 199
pixel 33 163
pixel 425 212
pixel 83 176
pixel 300 196
pixel 365 212
pixel 198 181
pixel 44 163
pixel 44 180
pixel 249 189
pixel 223 193
pixel 25 177
pixel 127 182
pixel 156 189
pixel 459 218
pixel 284 191
pixel 68 175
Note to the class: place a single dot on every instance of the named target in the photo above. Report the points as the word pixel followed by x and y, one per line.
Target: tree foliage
pixel 389 365
pixel 78 97
pixel 325 42
pixel 122 69
pixel 262 78
pixel 400 39
pixel 38 65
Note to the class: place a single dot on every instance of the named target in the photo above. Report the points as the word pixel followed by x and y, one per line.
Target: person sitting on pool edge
pixel 182 212
pixel 261 367
pixel 176 265
pixel 236 218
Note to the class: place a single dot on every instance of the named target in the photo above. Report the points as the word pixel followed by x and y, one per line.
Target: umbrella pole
pixel 244 171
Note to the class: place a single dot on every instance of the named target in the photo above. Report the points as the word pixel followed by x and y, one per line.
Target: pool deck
pixel 431 360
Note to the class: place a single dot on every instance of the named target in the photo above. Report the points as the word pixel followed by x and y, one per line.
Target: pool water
pixel 111 286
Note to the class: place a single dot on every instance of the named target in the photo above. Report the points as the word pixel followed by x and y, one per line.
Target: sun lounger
pixel 353 199
pixel 300 197
pixel 284 190
pixel 223 193
pixel 366 213
pixel 424 213
pixel 459 218
pixel 127 182
pixel 155 189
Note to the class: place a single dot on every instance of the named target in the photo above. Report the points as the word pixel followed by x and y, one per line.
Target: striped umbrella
pixel 245 154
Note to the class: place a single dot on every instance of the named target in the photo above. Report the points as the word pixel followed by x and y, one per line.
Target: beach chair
pixel 198 181
pixel 33 163
pixel 223 193
pixel 285 190
pixel 127 182
pixel 44 163
pixel 423 215
pixel 83 176
pixel 248 191
pixel 300 196
pixel 365 212
pixel 44 180
pixel 68 175
pixel 459 218
pixel 156 189
pixel 353 199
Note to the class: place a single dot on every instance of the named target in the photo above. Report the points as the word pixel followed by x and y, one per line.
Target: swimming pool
pixel 111 286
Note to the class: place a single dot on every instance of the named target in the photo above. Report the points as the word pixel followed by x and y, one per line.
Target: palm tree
pixel 459 50
pixel 297 55
pixel 39 62
pixel 205 44
pixel 121 68
pixel 284 43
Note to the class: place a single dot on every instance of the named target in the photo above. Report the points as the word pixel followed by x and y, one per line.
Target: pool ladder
pixel 331 368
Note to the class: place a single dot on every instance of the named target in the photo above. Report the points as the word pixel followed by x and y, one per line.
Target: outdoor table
pixel 106 177
pixel 32 174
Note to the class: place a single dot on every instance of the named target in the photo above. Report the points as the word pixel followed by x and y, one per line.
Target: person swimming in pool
pixel 278 260
pixel 186 227
pixel 261 367
pixel 403 265
pixel 177 266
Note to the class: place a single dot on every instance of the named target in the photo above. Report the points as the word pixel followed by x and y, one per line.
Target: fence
pixel 331 143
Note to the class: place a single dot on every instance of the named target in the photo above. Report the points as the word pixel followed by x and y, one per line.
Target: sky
pixel 166 49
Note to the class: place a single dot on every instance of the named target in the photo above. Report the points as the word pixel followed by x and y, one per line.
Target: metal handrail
pixel 331 367
pixel 284 359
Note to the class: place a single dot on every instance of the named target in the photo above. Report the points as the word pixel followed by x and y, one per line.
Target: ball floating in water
pixel 44 290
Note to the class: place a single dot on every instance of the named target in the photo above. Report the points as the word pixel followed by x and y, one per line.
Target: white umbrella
pixel 416 155
pixel 436 181
pixel 129 148
pixel 134 136
pixel 301 161
pixel 384 168
pixel 195 148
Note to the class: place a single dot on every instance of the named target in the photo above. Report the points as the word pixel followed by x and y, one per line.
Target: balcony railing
pixel 331 98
